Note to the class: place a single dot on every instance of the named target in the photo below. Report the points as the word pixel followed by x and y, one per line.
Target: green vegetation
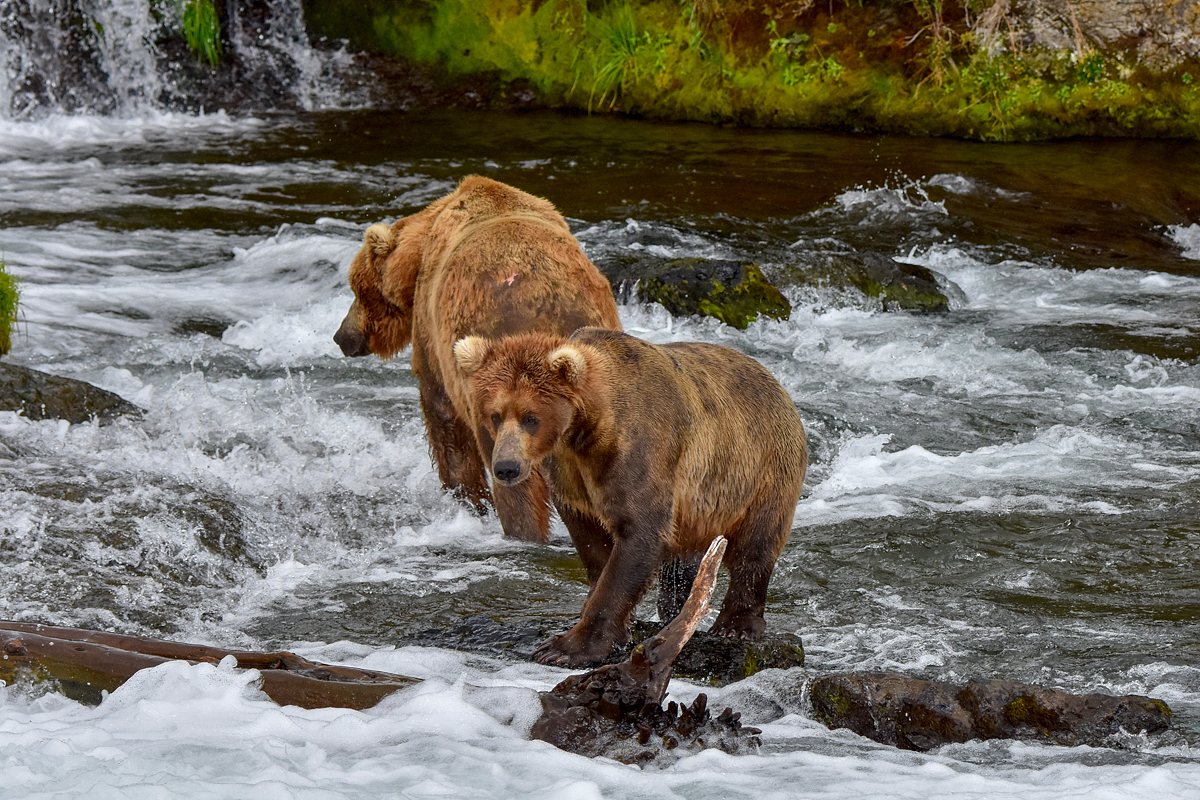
pixel 9 295
pixel 943 67
pixel 694 286
pixel 202 29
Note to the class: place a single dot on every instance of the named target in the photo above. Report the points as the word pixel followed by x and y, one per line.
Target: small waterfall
pixel 128 57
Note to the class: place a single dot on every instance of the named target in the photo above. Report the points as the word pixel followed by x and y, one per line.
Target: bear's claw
pixel 556 653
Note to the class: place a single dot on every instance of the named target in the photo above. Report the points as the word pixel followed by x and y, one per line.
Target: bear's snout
pixel 510 463
pixel 350 338
pixel 507 471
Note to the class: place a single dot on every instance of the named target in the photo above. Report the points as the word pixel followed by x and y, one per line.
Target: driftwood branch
pixel 616 710
pixel 664 647
pixel 88 663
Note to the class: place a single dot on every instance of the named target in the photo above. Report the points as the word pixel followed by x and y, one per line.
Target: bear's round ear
pixel 378 239
pixel 469 353
pixel 568 362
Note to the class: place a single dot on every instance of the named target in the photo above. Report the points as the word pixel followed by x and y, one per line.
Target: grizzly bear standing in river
pixel 651 452
pixel 487 260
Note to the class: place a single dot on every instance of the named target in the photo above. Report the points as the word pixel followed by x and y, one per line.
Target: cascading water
pixel 128 57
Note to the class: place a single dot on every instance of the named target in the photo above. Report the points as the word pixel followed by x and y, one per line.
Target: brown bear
pixel 651 452
pixel 486 259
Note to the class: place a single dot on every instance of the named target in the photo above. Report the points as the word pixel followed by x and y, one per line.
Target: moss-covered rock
pixel 734 292
pixel 915 714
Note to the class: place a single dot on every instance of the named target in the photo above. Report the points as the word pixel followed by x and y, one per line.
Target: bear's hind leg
pixel 524 509
pixel 753 550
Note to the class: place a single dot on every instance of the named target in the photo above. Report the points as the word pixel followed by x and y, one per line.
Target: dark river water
pixel 1010 489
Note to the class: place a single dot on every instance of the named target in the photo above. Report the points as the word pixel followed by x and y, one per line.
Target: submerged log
pixel 85 664
pixel 915 714
pixel 616 710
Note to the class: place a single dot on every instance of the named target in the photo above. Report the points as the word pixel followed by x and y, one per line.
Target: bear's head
pixel 525 392
pixel 374 324
pixel 383 276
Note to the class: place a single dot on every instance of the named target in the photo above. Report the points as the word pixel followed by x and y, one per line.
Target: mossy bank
pixel 999 70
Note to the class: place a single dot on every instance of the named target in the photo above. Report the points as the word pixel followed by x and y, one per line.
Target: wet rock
pixel 41 396
pixel 898 286
pixel 715 660
pixel 734 292
pixel 479 633
pixel 915 714
pixel 719 660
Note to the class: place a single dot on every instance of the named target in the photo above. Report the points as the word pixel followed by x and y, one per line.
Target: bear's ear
pixel 568 362
pixel 469 353
pixel 379 240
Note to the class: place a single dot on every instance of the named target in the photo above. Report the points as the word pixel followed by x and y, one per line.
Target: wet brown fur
pixel 651 452
pixel 488 260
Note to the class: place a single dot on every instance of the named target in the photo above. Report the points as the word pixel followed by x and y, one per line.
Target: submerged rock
pixel 41 396
pixel 915 714
pixel 903 287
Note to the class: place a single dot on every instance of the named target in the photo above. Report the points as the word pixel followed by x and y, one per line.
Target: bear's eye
pixel 495 420
pixel 530 423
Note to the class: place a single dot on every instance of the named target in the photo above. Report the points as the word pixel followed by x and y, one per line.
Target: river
pixel 1010 489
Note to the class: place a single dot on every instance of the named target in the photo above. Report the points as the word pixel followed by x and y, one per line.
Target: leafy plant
pixel 202 29
pixel 1090 68
pixel 626 54
pixel 9 294
pixel 939 52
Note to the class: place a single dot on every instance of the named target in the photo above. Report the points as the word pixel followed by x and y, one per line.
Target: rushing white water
pixel 995 492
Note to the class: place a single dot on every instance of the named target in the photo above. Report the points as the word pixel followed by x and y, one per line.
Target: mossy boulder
pixel 915 714
pixel 734 292
pixel 41 396
pixel 898 286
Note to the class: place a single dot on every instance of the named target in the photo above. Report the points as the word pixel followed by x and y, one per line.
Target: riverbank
pixel 992 70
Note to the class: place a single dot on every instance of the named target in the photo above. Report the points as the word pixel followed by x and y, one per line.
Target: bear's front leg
pixel 608 610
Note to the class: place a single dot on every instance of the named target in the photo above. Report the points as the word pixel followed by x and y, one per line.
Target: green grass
pixel 202 30
pixel 931 74
pixel 9 295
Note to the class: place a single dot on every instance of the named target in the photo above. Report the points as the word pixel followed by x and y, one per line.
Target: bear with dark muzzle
pixel 650 453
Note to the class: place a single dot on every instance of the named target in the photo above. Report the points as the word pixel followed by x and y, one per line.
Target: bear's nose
pixel 352 342
pixel 507 470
